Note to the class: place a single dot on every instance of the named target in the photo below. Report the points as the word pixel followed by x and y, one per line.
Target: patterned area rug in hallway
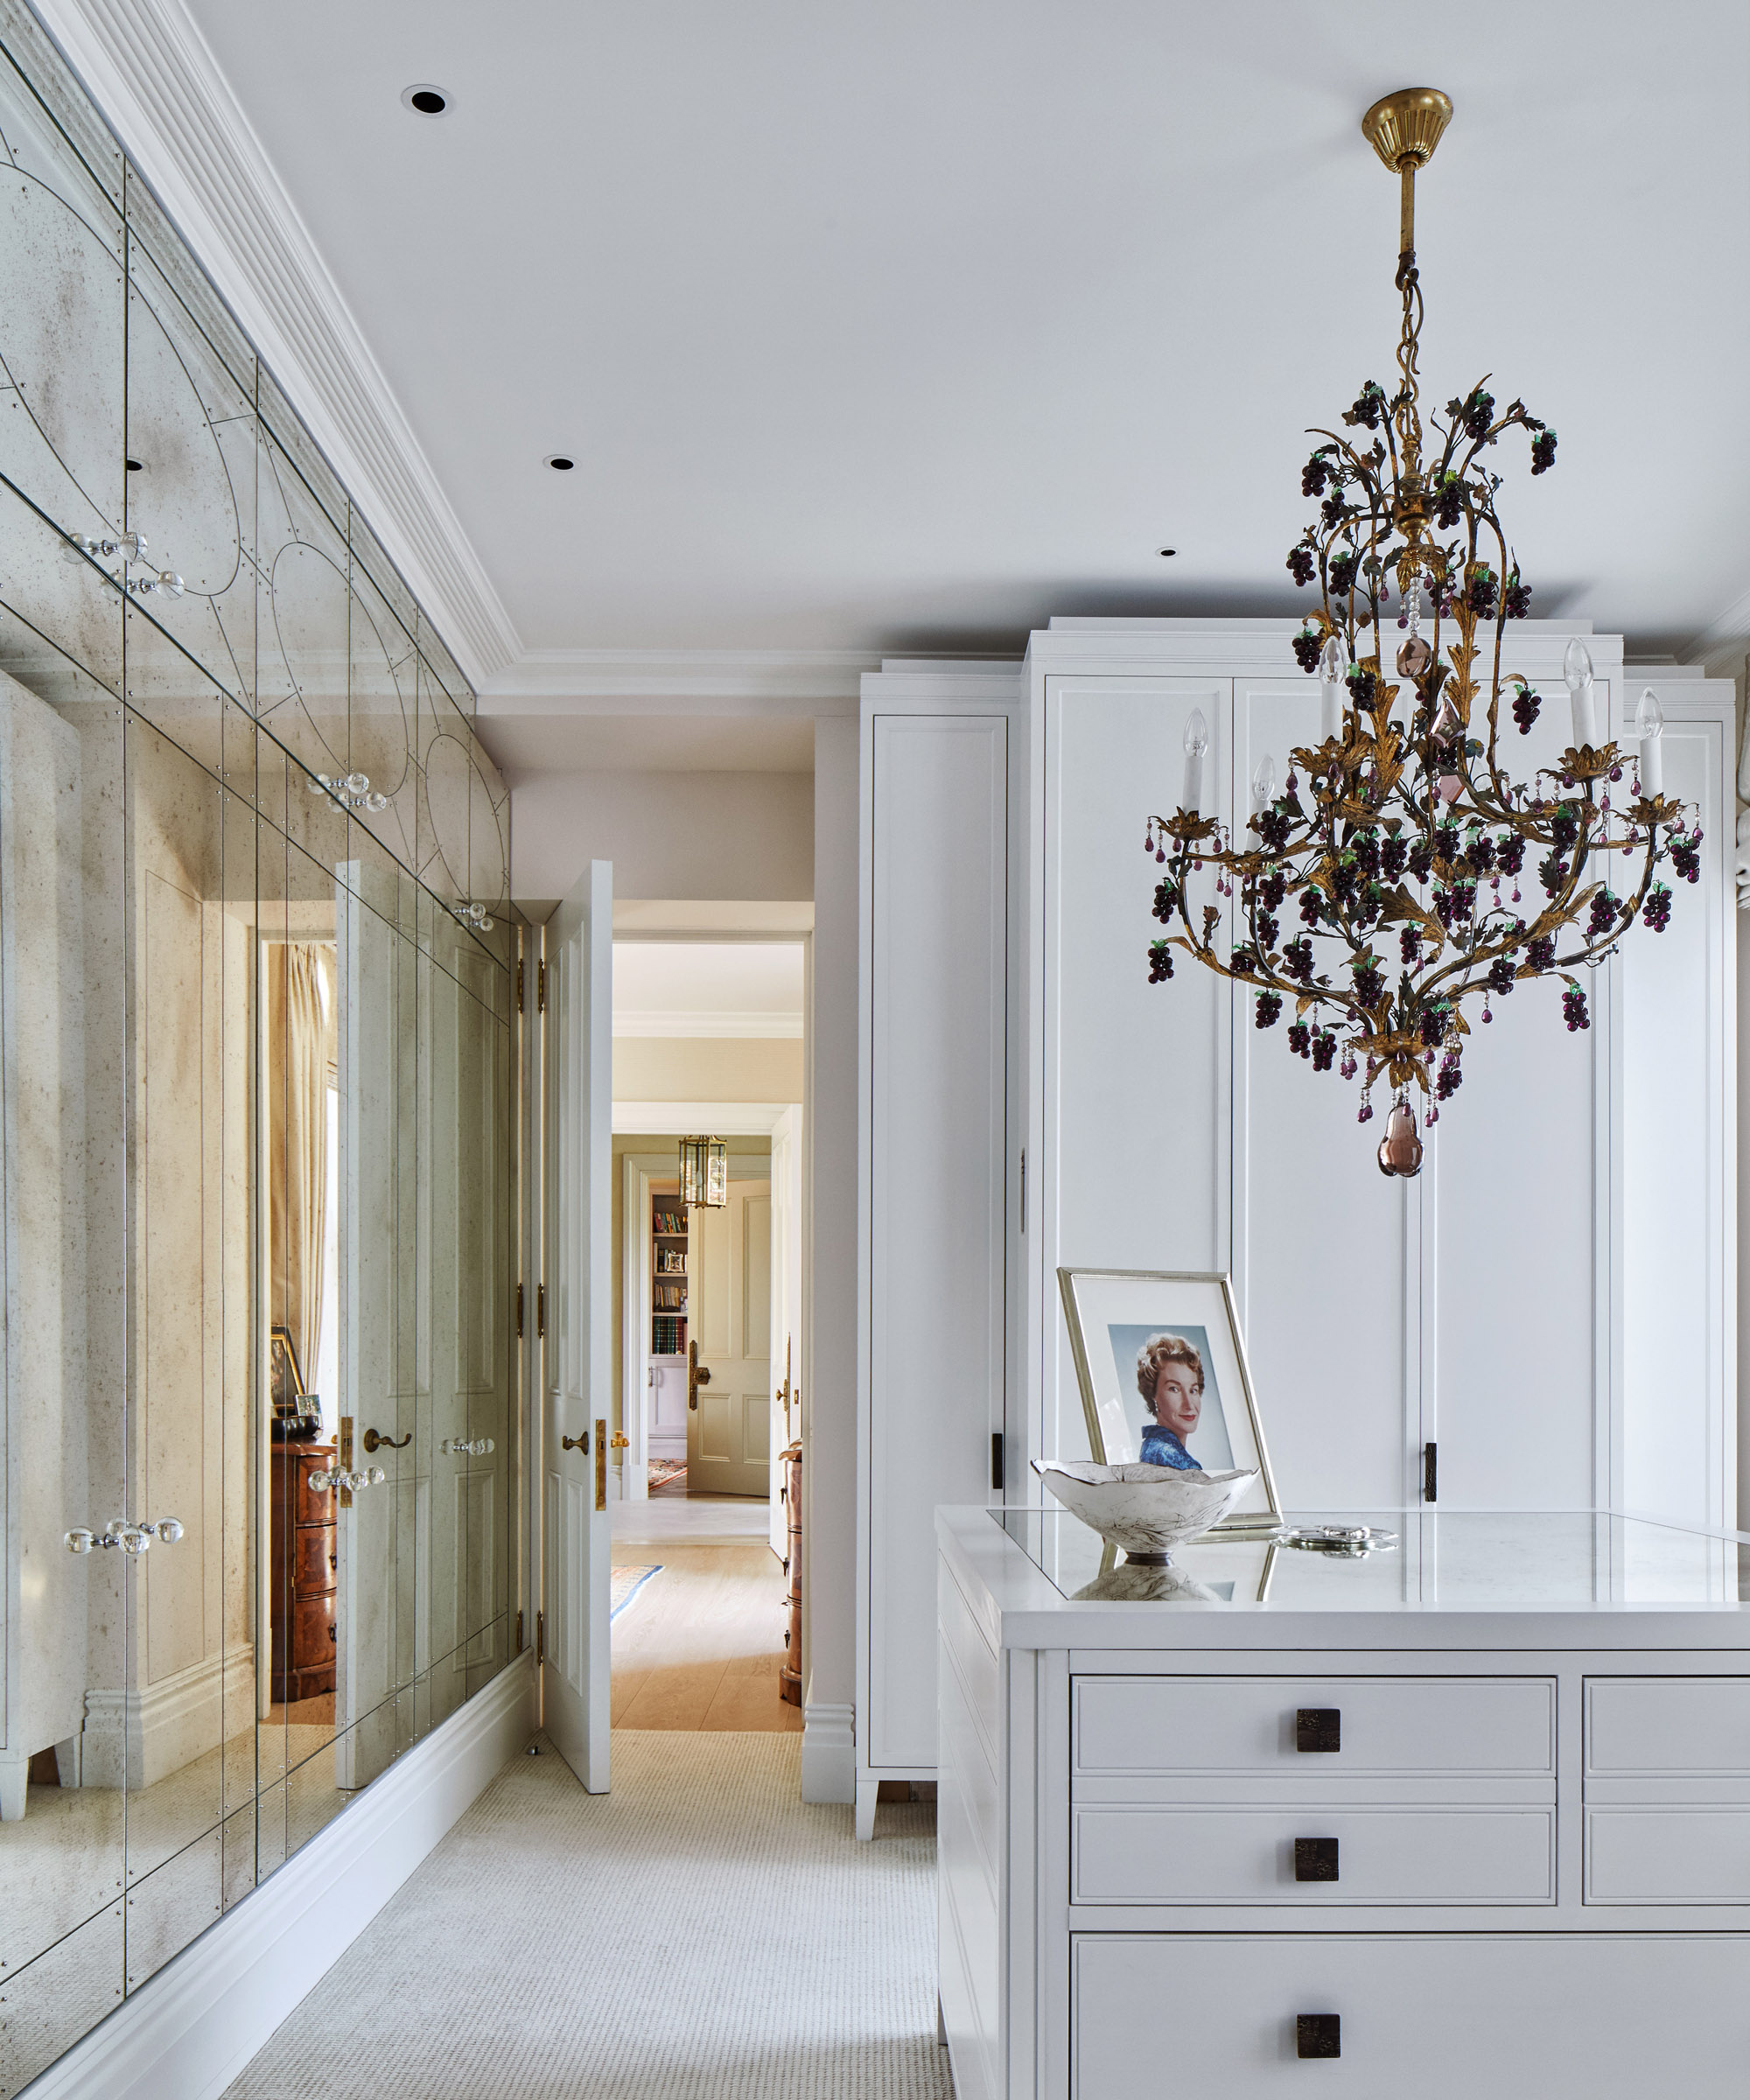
pixel 664 1472
pixel 697 1934
pixel 623 1586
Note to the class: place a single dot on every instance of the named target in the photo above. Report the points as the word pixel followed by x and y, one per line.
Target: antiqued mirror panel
pixel 63 1393
pixel 257 1097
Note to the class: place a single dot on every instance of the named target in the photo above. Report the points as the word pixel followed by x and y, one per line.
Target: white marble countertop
pixel 1456 1579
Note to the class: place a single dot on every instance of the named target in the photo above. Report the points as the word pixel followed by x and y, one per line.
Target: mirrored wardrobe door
pixel 62 1404
pixel 375 1284
pixel 189 1653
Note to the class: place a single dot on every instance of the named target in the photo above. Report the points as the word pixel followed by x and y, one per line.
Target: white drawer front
pixel 1647 1727
pixel 1438 2017
pixel 1463 1725
pixel 1384 1856
pixel 1668 1855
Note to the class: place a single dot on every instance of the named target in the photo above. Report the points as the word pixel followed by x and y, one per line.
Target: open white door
pixel 786 1311
pixel 578 1356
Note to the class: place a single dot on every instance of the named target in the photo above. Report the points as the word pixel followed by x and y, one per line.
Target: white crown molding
pixel 1723 645
pixel 783 681
pixel 715 1118
pixel 705 1024
pixel 153 74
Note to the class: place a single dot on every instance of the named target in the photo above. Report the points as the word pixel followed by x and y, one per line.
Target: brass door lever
pixel 374 1440
pixel 580 1443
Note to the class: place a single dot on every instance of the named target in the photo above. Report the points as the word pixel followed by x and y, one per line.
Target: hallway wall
pixel 743 834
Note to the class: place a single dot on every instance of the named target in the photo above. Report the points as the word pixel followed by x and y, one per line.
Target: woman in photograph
pixel 1170 1379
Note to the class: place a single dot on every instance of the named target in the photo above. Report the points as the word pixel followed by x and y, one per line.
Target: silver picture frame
pixel 1106 1309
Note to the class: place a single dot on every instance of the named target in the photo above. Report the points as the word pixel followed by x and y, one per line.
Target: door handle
pixel 132 1538
pixel 580 1443
pixel 376 1440
pixel 618 1442
pixel 473 1447
pixel 697 1374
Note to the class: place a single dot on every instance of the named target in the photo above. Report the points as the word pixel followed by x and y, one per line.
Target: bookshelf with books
pixel 667 1275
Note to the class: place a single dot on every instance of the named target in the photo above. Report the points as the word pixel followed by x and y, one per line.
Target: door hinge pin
pixel 540 987
pixel 540 1636
pixel 519 1312
pixel 519 983
pixel 541 1309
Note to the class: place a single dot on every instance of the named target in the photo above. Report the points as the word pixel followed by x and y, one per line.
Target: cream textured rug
pixel 695 1935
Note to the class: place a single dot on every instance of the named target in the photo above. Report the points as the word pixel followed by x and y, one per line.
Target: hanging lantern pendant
pixel 705 1171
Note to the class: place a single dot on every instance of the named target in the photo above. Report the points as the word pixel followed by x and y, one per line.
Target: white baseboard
pixel 157 1729
pixel 189 2031
pixel 828 1752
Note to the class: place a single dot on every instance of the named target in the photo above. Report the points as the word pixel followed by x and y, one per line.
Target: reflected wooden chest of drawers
pixel 303 1557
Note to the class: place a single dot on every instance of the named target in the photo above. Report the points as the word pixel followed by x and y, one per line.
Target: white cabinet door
pixel 1313 1214
pixel 578 1362
pixel 1136 1082
pixel 936 892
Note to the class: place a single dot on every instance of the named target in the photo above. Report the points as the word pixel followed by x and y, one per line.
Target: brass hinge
pixel 541 986
pixel 519 983
pixel 541 1309
pixel 519 1633
pixel 540 1636
pixel 519 1304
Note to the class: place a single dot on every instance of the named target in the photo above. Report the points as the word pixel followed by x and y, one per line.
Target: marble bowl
pixel 1146 1509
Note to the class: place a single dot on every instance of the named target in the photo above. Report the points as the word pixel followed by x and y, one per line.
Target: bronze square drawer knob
pixel 1318 2034
pixel 1315 1859
pixel 1318 1728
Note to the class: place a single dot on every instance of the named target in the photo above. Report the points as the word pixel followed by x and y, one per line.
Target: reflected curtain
pixel 301 1039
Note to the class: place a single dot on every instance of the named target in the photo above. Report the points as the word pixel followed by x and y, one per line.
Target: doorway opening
pixel 708 1041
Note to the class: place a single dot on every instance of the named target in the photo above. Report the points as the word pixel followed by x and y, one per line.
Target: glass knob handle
pixel 79 1541
pixel 168 1529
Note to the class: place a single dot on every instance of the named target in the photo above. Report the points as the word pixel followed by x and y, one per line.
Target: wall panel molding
pixel 153 74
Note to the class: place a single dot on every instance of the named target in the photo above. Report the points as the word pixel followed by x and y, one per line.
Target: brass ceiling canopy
pixel 1407 124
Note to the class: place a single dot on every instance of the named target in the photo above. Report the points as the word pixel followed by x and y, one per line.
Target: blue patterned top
pixel 1161 1447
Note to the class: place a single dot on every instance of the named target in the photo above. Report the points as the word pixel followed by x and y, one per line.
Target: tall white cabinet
pixel 1550 1303
pixel 939 957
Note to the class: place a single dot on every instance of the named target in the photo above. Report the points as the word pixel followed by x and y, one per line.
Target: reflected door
pixel 729 1423
pixel 578 1369
pixel 378 1030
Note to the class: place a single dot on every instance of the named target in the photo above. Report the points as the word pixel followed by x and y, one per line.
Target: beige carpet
pixel 695 1935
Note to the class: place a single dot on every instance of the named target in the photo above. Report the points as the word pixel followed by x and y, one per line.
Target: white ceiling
pixel 905 326
pixel 695 988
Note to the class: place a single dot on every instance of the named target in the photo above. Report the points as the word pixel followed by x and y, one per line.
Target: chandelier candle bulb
pixel 1333 668
pixel 1649 727
pixel 1576 669
pixel 1264 784
pixel 1196 742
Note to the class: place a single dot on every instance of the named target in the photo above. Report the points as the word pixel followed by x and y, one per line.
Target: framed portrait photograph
pixel 285 1383
pixel 1163 1380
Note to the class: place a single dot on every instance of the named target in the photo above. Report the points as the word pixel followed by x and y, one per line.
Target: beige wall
pixel 706 1068
pixel 749 836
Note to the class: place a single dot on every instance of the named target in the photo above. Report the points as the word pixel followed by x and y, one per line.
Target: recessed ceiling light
pixel 561 463
pixel 1168 550
pixel 424 99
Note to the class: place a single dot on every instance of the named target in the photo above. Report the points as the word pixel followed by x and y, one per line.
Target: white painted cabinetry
pixel 938 773
pixel 1550 1301
pixel 1469 1816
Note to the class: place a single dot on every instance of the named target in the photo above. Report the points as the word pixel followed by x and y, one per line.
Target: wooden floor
pixel 700 1644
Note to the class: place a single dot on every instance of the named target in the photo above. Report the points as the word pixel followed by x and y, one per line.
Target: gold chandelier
pixel 1407 784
